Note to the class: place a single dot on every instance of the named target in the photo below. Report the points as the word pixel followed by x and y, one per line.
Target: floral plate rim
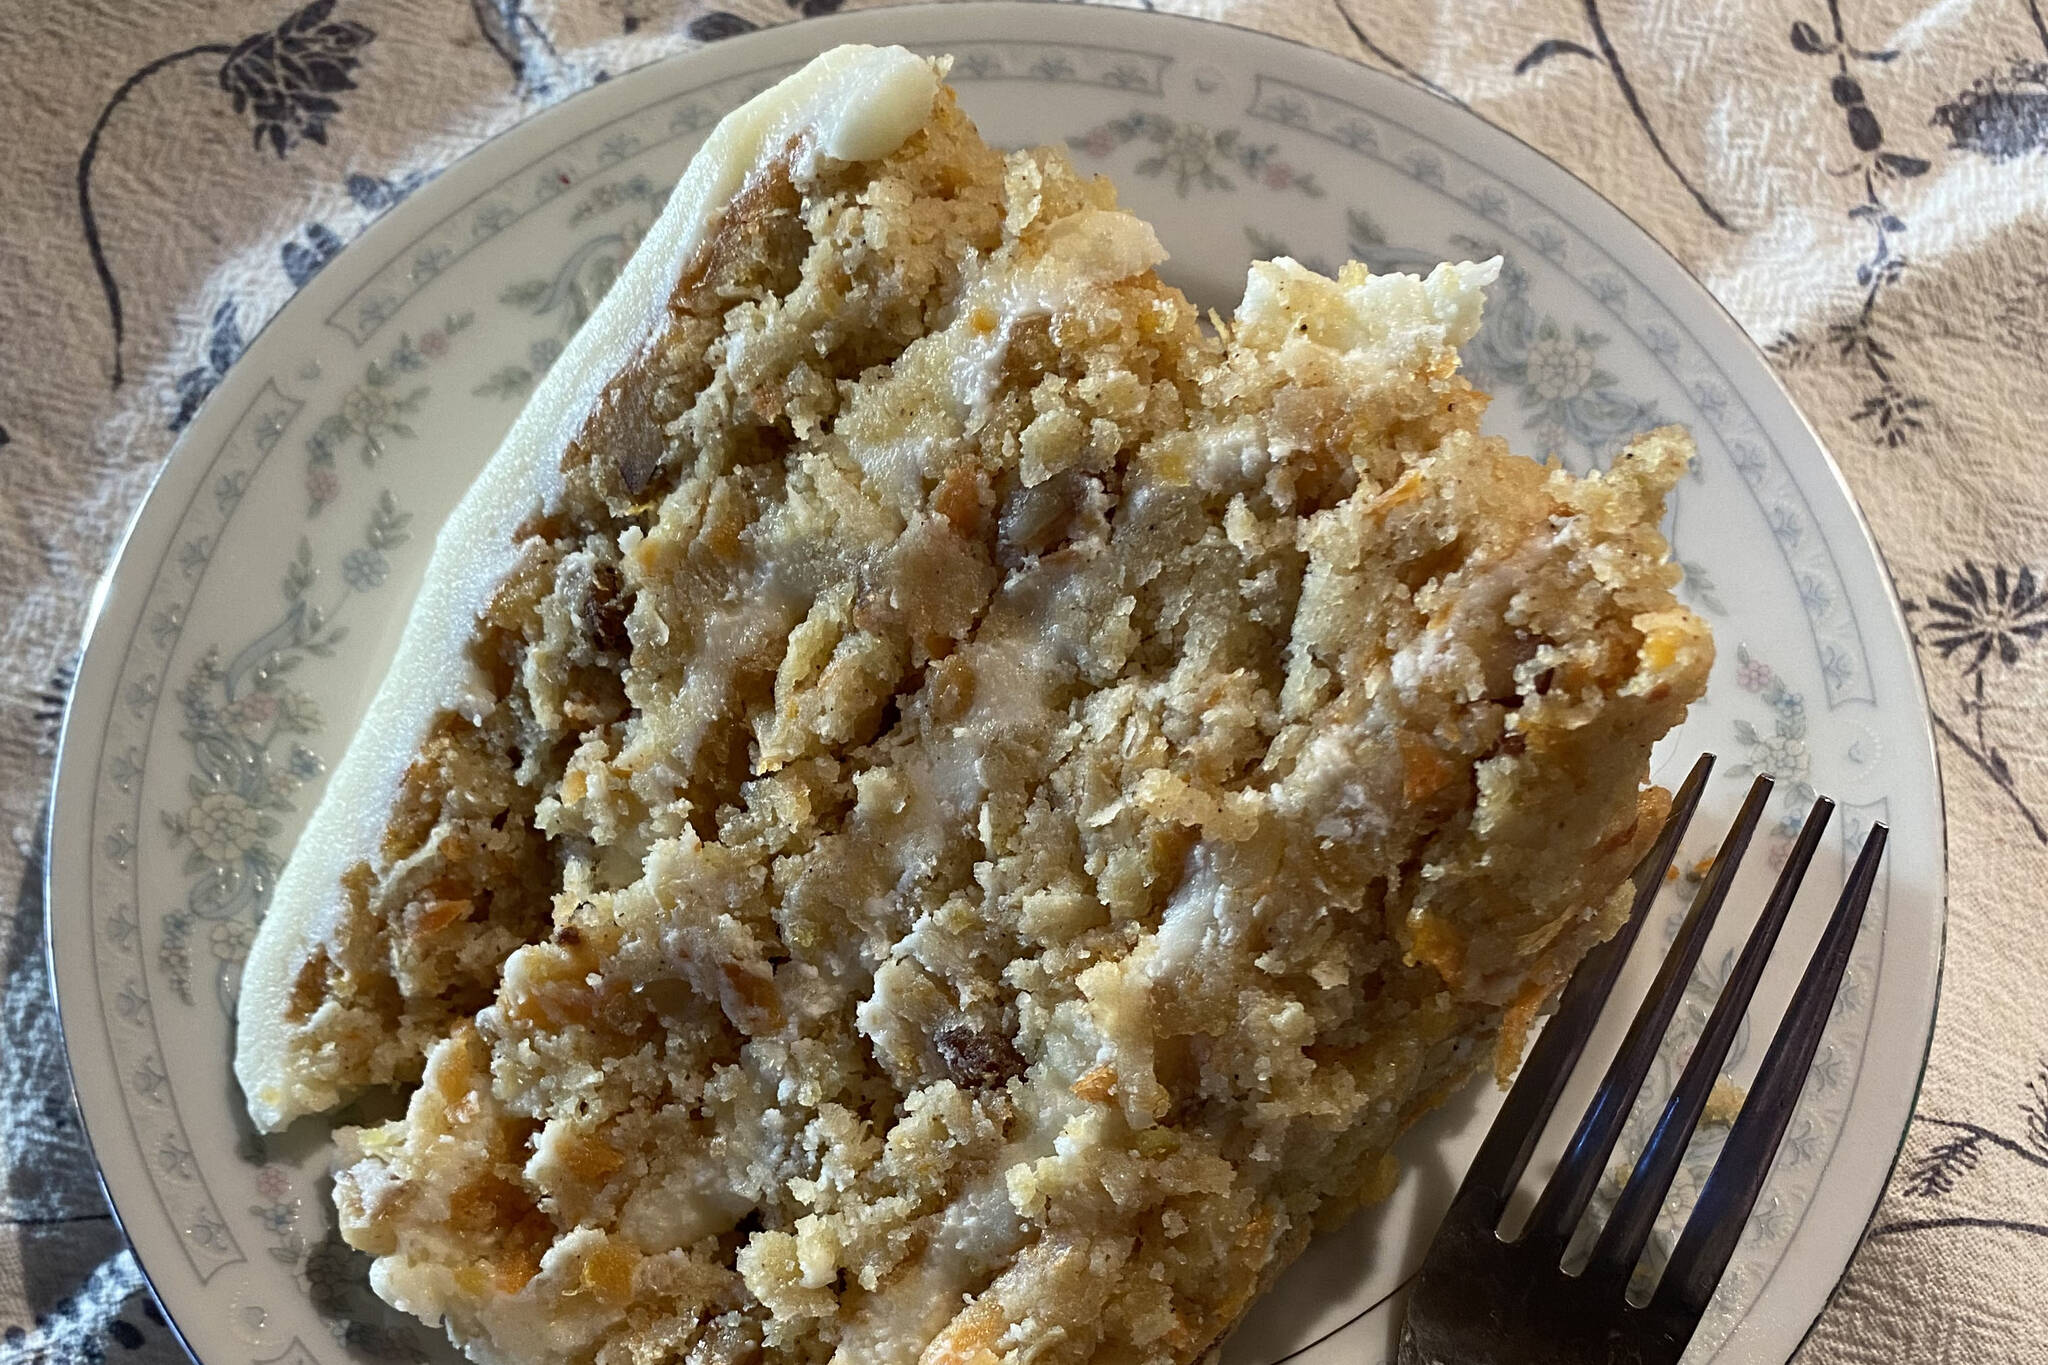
pixel 916 24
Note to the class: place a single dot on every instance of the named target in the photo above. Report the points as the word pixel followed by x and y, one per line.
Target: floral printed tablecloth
pixel 1864 183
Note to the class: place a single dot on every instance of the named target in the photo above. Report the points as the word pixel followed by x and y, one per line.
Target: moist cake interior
pixel 994 804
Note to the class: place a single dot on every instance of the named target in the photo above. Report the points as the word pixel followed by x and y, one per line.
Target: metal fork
pixel 1480 1299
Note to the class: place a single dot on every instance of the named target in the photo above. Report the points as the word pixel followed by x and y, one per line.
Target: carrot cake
pixel 935 810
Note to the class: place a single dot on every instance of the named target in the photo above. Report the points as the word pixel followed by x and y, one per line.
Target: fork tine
pixel 1505 1152
pixel 1564 1199
pixel 1627 1229
pixel 1724 1205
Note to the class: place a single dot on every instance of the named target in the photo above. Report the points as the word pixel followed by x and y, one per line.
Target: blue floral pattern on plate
pixel 207 722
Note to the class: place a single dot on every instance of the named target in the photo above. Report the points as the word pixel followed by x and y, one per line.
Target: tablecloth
pixel 1864 184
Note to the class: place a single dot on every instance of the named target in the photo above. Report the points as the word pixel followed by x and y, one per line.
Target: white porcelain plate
pixel 240 635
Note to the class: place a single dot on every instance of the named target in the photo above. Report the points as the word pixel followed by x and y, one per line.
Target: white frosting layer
pixel 853 103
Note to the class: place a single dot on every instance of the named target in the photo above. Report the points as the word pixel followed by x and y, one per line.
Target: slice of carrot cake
pixel 931 809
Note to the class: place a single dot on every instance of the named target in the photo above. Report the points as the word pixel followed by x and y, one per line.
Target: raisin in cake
pixel 934 811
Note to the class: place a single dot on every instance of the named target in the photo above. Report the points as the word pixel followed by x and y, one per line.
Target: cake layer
pixel 943 812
